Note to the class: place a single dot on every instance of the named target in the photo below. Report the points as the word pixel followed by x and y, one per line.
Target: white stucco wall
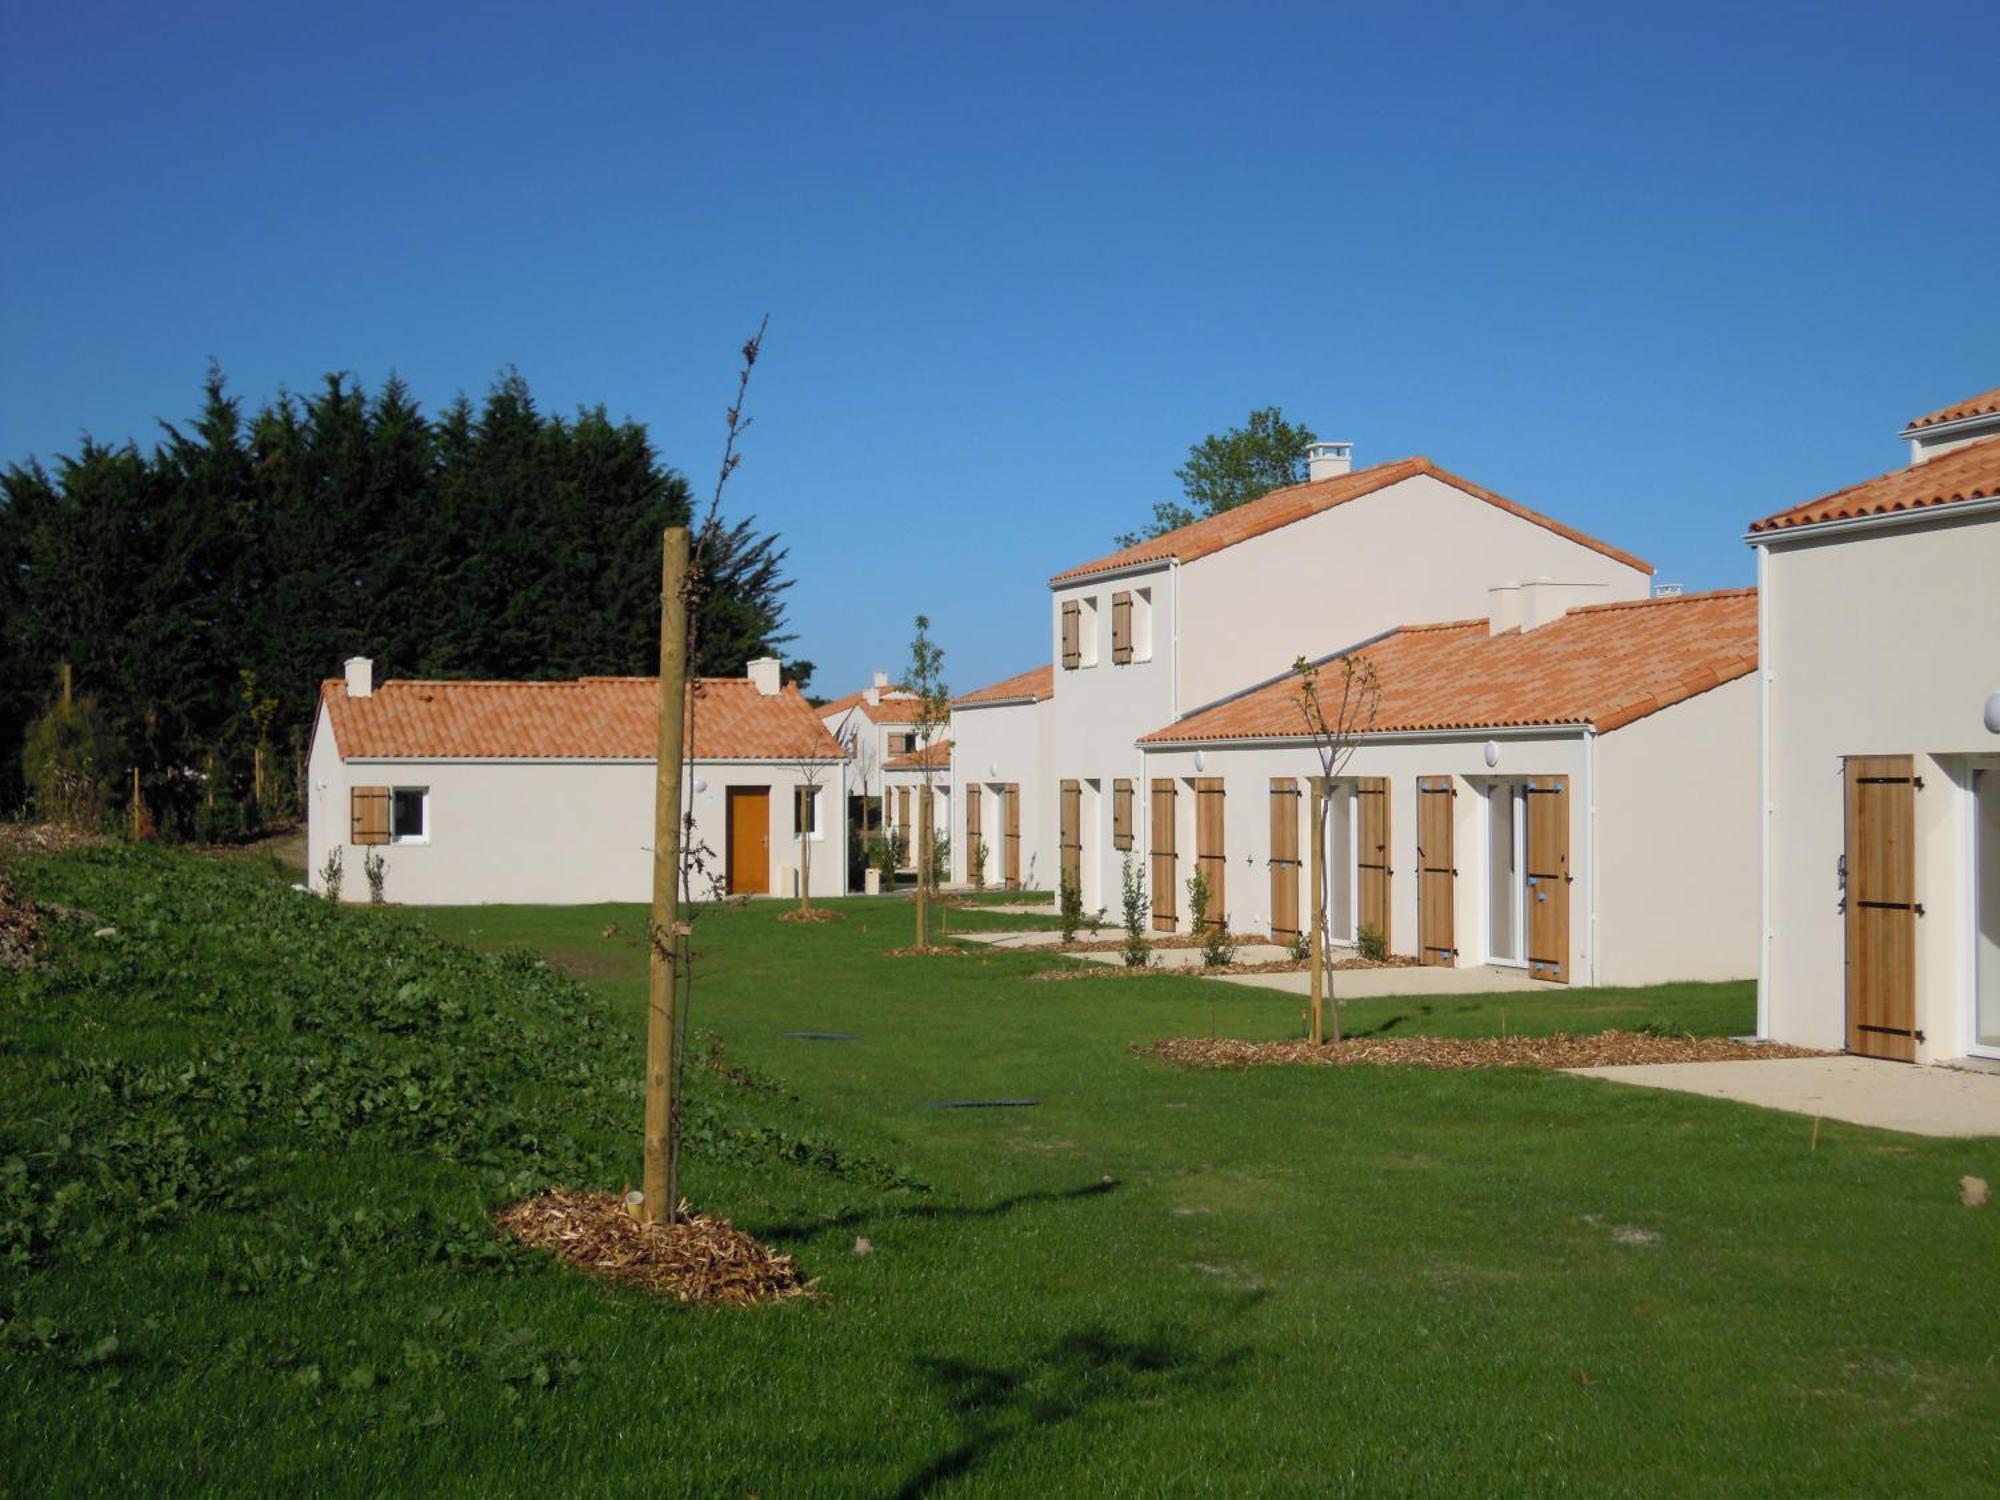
pixel 1882 641
pixel 1677 841
pixel 551 832
pixel 1247 772
pixel 992 745
pixel 1418 551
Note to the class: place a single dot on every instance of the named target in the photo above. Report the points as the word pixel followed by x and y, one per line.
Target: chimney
pixel 360 676
pixel 1529 605
pixel 764 672
pixel 1328 460
pixel 878 687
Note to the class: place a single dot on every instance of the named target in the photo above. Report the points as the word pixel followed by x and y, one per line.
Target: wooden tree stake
pixel 662 1123
pixel 1319 916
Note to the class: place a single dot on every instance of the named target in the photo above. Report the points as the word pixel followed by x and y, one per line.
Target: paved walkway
pixel 1368 984
pixel 1859 1090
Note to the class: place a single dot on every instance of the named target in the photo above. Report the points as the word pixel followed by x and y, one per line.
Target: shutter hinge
pixel 1920 908
pixel 1920 1036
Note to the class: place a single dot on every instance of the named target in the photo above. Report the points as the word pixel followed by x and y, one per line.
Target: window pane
pixel 1986 789
pixel 406 813
pixel 1503 881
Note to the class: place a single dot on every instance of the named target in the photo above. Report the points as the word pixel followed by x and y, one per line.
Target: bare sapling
pixel 1335 728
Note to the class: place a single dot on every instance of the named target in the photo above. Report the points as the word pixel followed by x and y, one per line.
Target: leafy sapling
pixel 1132 882
pixel 1069 906
pixel 376 868
pixel 329 875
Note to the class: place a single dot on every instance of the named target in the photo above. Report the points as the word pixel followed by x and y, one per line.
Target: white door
pixel 1507 872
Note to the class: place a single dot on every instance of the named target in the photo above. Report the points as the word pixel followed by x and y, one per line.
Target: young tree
pixel 926 682
pixel 1334 728
pixel 1232 468
pixel 806 799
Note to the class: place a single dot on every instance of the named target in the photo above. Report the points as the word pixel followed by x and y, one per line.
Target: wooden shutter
pixel 1121 627
pixel 1121 813
pixel 1072 634
pixel 1372 868
pixel 1882 906
pixel 368 808
pixel 903 820
pixel 1163 873
pixel 1548 878
pixel 1284 857
pixel 1010 853
pixel 1208 846
pixel 1069 837
pixel 972 825
pixel 1436 934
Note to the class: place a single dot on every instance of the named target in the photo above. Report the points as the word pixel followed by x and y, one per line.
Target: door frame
pixel 1516 788
pixel 1969 898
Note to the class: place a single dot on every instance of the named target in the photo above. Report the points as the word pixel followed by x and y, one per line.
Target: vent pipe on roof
pixel 360 676
pixel 764 672
pixel 1328 460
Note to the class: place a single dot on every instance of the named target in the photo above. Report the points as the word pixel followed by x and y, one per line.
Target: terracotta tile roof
pixel 1298 501
pixel 887 711
pixel 1603 665
pixel 1968 473
pixel 937 754
pixel 1985 403
pixel 591 718
pixel 1031 686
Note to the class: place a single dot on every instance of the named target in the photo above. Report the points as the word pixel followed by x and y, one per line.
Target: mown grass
pixel 1153 1281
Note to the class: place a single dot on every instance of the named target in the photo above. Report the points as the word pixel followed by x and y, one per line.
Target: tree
pixel 1333 739
pixel 1228 469
pixel 926 682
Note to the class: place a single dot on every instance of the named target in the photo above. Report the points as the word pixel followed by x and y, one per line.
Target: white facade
pixel 1649 902
pixel 997 747
pixel 872 736
pixel 1420 549
pixel 1881 636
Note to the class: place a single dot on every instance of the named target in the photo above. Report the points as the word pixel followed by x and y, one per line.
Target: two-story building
pixel 1001 759
pixel 1881 753
pixel 1144 636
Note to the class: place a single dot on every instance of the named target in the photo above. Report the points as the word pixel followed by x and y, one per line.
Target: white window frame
pixel 1343 787
pixel 1139 622
pixel 1970 889
pixel 423 795
pixel 1517 795
pixel 809 794
pixel 1086 632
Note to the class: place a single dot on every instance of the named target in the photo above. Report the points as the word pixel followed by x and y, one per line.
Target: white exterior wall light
pixel 1490 753
pixel 1993 713
pixel 992 770
pixel 1200 761
pixel 700 785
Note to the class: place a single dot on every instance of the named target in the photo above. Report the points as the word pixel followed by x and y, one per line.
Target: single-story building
pixel 542 792
pixel 1881 764
pixel 1570 790
pixel 1001 757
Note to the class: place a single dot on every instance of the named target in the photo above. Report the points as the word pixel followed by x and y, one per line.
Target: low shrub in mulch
pixel 695 1259
pixel 809 914
pixel 1560 1050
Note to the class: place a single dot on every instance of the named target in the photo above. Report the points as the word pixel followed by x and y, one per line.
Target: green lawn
pixel 1314 1280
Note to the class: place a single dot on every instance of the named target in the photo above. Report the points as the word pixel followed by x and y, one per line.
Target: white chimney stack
pixel 764 672
pixel 1525 606
pixel 360 676
pixel 1328 460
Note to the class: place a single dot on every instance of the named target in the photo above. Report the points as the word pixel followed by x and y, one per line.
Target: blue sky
pixel 1654 270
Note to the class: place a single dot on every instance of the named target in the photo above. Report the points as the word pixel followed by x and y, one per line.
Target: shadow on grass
pixel 856 1218
pixel 1079 1375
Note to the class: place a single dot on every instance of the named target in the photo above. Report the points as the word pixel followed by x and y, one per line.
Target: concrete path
pixel 1045 939
pixel 1369 984
pixel 1859 1090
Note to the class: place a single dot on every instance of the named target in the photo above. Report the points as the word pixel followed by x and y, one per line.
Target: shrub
pixel 329 874
pixel 1138 951
pixel 940 857
pixel 1198 899
pixel 68 762
pixel 1218 944
pixel 1371 944
pixel 376 868
pixel 1300 948
pixel 975 864
pixel 1069 906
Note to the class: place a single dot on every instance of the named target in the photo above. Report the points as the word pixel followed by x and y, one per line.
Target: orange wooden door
pixel 1548 878
pixel 1882 907
pixel 749 871
pixel 1436 933
pixel 1371 854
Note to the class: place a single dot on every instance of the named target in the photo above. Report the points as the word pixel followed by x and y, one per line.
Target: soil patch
pixel 695 1259
pixel 931 952
pixel 809 914
pixel 22 840
pixel 1561 1050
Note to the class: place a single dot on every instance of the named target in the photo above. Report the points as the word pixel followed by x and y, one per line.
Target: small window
pixel 902 741
pixel 1141 625
pixel 1087 634
pixel 410 815
pixel 805 810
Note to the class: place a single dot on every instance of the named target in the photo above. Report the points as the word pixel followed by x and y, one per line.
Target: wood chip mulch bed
pixel 20 928
pixel 931 952
pixel 1561 1050
pixel 810 914
pixel 1275 966
pixel 695 1259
